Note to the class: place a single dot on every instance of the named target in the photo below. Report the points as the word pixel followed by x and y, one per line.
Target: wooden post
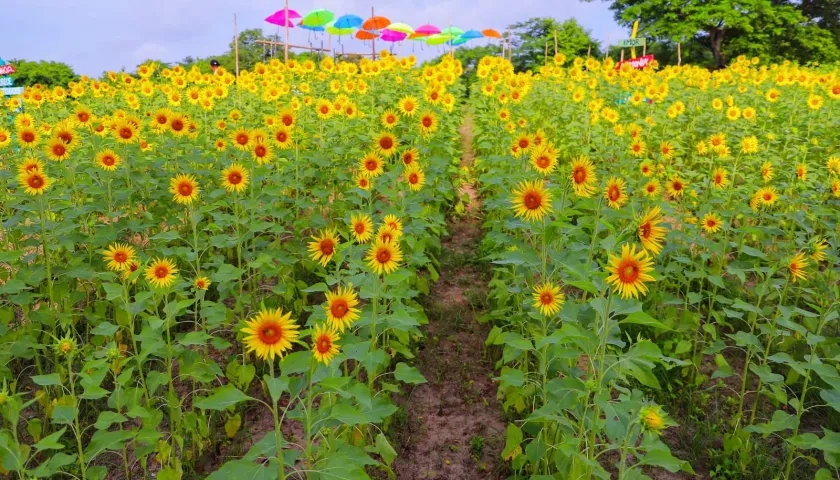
pixel 588 51
pixel 644 49
pixel 510 45
pixel 607 49
pixel 373 40
pixel 451 40
pixel 555 42
pixel 546 53
pixel 286 23
pixel 622 55
pixel 679 55
pixel 236 44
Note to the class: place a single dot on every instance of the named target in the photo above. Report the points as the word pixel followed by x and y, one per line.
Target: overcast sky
pixel 97 35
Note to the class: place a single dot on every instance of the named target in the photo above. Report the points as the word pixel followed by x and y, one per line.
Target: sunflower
pixel 583 177
pixel 415 178
pixel 733 113
pixel 270 333
pixel 57 150
pixel 720 179
pixel 797 266
pixel 652 188
pixel 108 160
pixel 235 178
pixel 652 418
pixel 287 118
pixel 650 233
pixel 835 187
pixel 262 152
pixel 241 139
pixel 767 196
pixel 178 124
pixel 184 189
pixel 646 168
pixel 544 159
pixel 712 223
pixel 666 149
pixel 386 144
pixel 410 156
pixel 323 108
pixel 408 106
pixel 630 271
pixel 372 165
pixel 126 132
pixel 815 102
pixel 362 181
pixel 341 308
pixel 35 182
pixel 531 200
pixel 638 148
pixel 675 187
pixel 767 171
pixel 523 143
pixel 749 144
pixel 389 118
pixel 361 227
pixel 202 283
pixel 322 247
pixel 428 123
pixel 324 346
pixel 161 273
pixel 28 137
pixel 548 298
pixel 616 193
pixel 817 248
pixel 119 256
pixel 801 171
pixel 29 165
pixel 394 222
pixel 387 233
pixel 384 257
pixel 283 137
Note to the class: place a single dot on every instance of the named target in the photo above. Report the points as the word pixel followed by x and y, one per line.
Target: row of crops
pixel 205 276
pixel 664 247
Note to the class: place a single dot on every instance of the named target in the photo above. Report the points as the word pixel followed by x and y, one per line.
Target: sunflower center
pixel 108 160
pixel 383 255
pixel 711 223
pixel 36 181
pixel 327 247
pixel 28 137
pixel 287 120
pixel 546 298
pixel 407 159
pixel 645 229
pixel 270 334
pixel 234 178
pixel 386 143
pixel 325 109
pixel 718 179
pixel 177 125
pixel 768 196
pixel 628 272
pixel 836 90
pixel 371 165
pixel 260 151
pixel 677 185
pixel 324 344
pixel 523 143
pixel 614 193
pixel 339 308
pixel 83 117
pixel 65 137
pixel 532 200
pixel 580 175
pixel 59 150
pixel 427 122
pixel 636 147
pixel 543 162
pixel 281 137
pixel 126 133
pixel 162 120
pixel 161 272
pixel 359 228
pixel 120 257
pixel 242 139
pixel 390 119
pixel 413 178
pixel 651 188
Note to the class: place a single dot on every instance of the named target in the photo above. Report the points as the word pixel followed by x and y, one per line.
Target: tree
pixel 46 73
pixel 531 37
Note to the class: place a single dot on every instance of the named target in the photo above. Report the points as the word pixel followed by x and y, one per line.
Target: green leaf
pixel 232 425
pixel 513 439
pixel 222 398
pixel 642 318
pixel 227 273
pixel 47 380
pixel 50 442
pixel 384 449
pixel 407 374
pixel 63 414
pixel 104 440
pixel 107 418
pixel 105 329
pixel 752 252
pixel 780 421
pixel 664 459
pixel 195 338
pixel 246 470
pixel 511 377
pixel 113 291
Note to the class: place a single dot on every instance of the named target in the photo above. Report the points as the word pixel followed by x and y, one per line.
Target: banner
pixel 637 63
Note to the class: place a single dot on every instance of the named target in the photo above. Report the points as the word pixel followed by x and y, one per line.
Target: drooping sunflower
pixel 630 272
pixel 324 344
pixel 797 265
pixel 270 333
pixel 408 105
pixel 108 160
pixel 57 150
pixel 428 123
pixel 386 144
pixel 35 182
pixel 161 273
pixel 767 171
pixel 531 200
pixel 675 186
pixel 548 298
pixel 361 227
pixel 389 118
pixel 322 247
pixel 544 159
pixel 202 283
pixel 235 178
pixel 720 178
pixel 184 188
pixel 616 193
pixel 651 234
pixel 384 257
pixel 415 177
pixel 817 248
pixel 341 308
pixel 712 223
pixel 583 177
pixel 372 165
pixel 119 256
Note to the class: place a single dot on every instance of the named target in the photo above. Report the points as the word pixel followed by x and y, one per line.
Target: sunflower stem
pixel 309 399
pixel 770 338
pixel 278 434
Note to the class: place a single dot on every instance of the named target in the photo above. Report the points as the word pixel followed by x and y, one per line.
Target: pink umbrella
pixel 392 36
pixel 426 30
pixel 281 18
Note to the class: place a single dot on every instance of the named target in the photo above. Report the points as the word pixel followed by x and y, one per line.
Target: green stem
pixel 82 462
pixel 278 434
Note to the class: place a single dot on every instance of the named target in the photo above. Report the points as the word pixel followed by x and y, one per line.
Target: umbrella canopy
pixel 438 39
pixel 333 30
pixel 418 36
pixel 365 35
pixel 459 41
pixel 470 34
pixel 426 30
pixel 279 16
pixel 348 21
pixel 311 28
pixel 490 33
pixel 401 27
pixel 376 23
pixel 454 31
pixel 317 18
pixel 389 35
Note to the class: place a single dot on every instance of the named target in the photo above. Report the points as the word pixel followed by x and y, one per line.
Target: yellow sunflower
pixel 408 106
pixel 629 272
pixel 324 346
pixel 161 273
pixel 720 179
pixel 35 182
pixel 184 189
pixel 650 233
pixel 202 283
pixel 235 178
pixel 675 187
pixel 548 298
pixel 386 144
pixel 341 308
pixel 583 177
pixel 544 159
pixel 389 118
pixel 119 256
pixel 797 266
pixel 270 333
pixel 384 257
pixel 415 178
pixel 531 200
pixel 616 193
pixel 322 247
pixel 371 165
pixel 712 223
pixel 361 227
pixel 108 160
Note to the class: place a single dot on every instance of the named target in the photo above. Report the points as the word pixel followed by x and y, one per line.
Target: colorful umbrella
pixel 365 35
pixel 438 39
pixel 401 27
pixel 279 16
pixel 317 18
pixel 454 31
pixel 490 33
pixel 376 23
pixel 418 36
pixel 389 35
pixel 333 30
pixel 426 30
pixel 348 21
pixel 459 41
pixel 311 28
pixel 471 34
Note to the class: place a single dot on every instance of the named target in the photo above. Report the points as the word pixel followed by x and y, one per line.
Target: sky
pixel 98 35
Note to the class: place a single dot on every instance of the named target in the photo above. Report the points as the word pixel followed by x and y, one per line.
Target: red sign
pixel 640 62
pixel 7 69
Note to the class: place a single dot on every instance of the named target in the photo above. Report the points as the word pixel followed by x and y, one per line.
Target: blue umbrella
pixel 459 41
pixel 307 27
pixel 348 21
pixel 471 34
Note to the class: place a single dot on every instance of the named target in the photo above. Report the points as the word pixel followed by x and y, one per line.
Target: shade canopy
pixel 470 34
pixel 366 35
pixel 401 27
pixel 348 21
pixel 389 35
pixel 427 30
pixel 376 23
pixel 490 33
pixel 317 18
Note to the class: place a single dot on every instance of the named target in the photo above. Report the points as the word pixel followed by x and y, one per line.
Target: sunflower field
pixel 212 276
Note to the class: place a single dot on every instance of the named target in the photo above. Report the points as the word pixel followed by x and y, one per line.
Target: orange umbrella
pixel 490 33
pixel 365 35
pixel 376 23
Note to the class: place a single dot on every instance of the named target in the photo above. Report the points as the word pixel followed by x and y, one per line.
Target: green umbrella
pixel 333 30
pixel 317 18
pixel 453 31
pixel 438 39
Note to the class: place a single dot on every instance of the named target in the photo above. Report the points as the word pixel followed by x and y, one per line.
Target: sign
pixel 6 69
pixel 6 82
pixel 9 91
pixel 637 63
pixel 632 42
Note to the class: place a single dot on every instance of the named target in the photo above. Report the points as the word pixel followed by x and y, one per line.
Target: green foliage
pixel 532 36
pixel 46 73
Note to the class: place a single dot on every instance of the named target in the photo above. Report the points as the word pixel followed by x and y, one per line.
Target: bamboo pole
pixel 286 23
pixel 510 45
pixel 451 40
pixel 622 55
pixel 236 44
pixel 302 47
pixel 555 42
pixel 546 53
pixel 679 55
pixel 373 40
pixel 588 51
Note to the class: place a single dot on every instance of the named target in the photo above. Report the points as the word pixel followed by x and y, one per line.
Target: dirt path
pixel 454 428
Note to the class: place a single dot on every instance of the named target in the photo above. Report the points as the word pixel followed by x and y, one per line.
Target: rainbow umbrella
pixel 438 39
pixel 490 33
pixel 471 34
pixel 401 27
pixel 376 23
pixel 317 18
pixel 427 30
pixel 348 21
pixel 389 35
